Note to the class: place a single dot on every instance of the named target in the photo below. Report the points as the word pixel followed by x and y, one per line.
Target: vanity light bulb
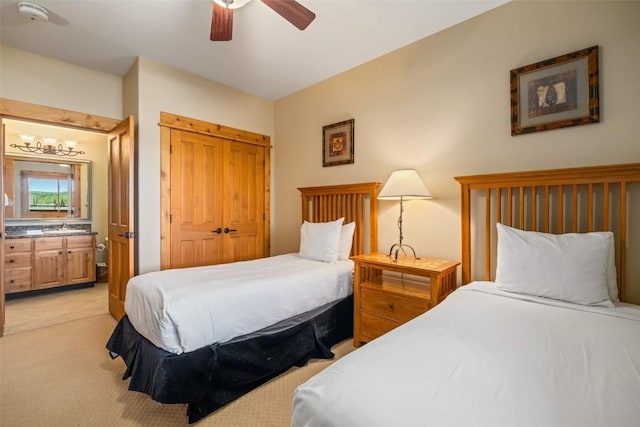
pixel 50 141
pixel 70 143
pixel 27 139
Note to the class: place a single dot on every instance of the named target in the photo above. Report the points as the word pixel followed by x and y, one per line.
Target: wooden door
pixel 121 242
pixel 196 199
pixel 213 178
pixel 2 230
pixel 244 202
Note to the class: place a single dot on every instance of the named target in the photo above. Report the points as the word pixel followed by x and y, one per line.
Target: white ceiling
pixel 268 57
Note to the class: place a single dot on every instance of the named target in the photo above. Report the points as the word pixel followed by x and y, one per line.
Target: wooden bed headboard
pixel 354 202
pixel 580 199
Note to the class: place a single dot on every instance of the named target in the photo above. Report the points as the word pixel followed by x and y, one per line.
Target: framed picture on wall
pixel 337 143
pixel 556 93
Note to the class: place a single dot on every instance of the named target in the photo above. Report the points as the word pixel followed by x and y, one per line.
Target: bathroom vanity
pixel 48 259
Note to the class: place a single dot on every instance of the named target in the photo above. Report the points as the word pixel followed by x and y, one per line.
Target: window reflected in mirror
pixel 46 188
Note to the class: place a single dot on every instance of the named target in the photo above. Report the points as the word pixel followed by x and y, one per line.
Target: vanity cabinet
pixel 47 262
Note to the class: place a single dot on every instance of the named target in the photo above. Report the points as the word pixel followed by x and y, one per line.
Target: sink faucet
pixel 64 226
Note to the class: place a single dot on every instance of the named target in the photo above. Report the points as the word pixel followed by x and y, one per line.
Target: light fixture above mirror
pixel 47 145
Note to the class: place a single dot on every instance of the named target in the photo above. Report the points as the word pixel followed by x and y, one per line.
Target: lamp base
pixel 400 247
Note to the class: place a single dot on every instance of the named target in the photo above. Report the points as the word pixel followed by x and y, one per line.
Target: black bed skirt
pixel 212 376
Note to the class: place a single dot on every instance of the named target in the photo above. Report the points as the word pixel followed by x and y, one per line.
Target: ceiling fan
pixel 222 16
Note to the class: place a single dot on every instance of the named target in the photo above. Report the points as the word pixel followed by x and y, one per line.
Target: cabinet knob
pixel 12 247
pixel 11 260
pixel 390 305
pixel 60 253
pixel 11 281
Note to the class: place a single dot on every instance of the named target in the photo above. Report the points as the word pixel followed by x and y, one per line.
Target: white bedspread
pixel 486 359
pixel 181 310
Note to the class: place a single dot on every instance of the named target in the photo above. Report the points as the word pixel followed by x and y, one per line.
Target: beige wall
pixel 441 106
pixel 162 88
pixel 45 81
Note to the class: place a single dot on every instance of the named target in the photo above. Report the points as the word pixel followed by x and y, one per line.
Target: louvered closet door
pixel 196 199
pixel 244 199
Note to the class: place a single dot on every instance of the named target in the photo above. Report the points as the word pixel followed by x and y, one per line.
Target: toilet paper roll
pixel 101 247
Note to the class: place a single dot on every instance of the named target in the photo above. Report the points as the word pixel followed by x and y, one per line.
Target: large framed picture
pixel 337 143
pixel 556 93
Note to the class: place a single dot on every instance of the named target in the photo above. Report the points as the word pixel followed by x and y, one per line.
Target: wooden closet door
pixel 244 201
pixel 196 199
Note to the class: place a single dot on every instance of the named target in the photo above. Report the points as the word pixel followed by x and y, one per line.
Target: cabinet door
pixel 49 268
pixel 80 266
pixel 80 259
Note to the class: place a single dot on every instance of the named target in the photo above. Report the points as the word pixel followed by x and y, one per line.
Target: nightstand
pixel 383 302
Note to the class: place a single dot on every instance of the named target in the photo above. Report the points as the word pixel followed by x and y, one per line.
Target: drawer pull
pixel 11 281
pixel 12 260
pixel 12 247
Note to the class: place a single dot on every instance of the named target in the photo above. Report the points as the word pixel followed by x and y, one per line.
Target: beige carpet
pixel 33 312
pixel 62 375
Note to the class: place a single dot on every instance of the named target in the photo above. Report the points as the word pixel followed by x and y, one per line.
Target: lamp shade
pixel 404 184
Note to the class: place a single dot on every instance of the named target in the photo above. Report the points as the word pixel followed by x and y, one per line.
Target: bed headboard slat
pixel 553 201
pixel 355 202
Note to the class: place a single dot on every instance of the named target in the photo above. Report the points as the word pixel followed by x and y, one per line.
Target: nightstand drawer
pixel 391 306
pixel 372 326
pixel 17 260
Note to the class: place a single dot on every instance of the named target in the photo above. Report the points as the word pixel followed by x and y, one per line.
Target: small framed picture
pixel 337 143
pixel 556 93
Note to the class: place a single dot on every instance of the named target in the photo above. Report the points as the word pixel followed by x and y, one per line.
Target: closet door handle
pixel 217 230
pixel 229 230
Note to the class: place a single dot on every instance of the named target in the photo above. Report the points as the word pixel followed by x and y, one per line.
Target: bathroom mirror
pixel 38 188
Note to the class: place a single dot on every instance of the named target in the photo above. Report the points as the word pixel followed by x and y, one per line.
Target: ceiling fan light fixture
pixel 231 4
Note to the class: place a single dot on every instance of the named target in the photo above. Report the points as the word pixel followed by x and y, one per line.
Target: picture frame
pixel 556 93
pixel 338 143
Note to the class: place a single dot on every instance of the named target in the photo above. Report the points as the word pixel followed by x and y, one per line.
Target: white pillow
pixel 346 241
pixel 569 267
pixel 610 269
pixel 320 240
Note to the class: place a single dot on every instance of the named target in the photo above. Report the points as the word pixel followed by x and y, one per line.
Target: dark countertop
pixel 47 233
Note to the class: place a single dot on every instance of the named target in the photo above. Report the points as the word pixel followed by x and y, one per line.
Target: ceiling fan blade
pixel 292 11
pixel 221 23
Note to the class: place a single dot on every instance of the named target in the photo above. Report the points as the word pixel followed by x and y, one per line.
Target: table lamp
pixel 403 185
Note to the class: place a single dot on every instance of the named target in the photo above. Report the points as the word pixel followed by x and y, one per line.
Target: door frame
pixel 20 110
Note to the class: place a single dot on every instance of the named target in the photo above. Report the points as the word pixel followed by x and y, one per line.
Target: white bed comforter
pixel 182 310
pixel 482 358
